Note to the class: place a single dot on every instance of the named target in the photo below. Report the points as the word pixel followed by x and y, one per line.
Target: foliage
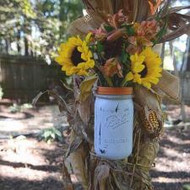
pixel 19 108
pixel 35 27
pixel 186 187
pixel 51 134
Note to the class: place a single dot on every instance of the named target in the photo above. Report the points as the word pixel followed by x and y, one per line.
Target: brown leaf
pixel 101 174
pixel 116 35
pixel 175 10
pixel 175 21
pixel 177 33
pixel 35 100
pixel 86 88
pixel 77 159
pixel 74 145
pixel 84 110
pixel 66 178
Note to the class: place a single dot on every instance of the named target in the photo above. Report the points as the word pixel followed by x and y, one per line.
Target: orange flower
pixel 100 34
pixel 146 32
pixel 132 49
pixel 147 29
pixel 112 67
pixel 117 19
pixel 154 6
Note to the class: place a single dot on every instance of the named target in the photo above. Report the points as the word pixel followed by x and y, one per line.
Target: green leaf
pixel 124 57
pixel 130 30
pixel 86 87
pixel 58 133
pixel 100 47
pixel 108 28
pixel 53 135
pixel 160 34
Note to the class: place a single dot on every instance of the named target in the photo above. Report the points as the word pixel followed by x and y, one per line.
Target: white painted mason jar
pixel 113 131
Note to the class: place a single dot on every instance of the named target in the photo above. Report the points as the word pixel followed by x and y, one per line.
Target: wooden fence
pixel 24 77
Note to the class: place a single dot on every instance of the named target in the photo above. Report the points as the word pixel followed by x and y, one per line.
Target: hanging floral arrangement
pixel 119 53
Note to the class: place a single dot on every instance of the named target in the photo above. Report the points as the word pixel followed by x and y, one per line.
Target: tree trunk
pixel 26 53
pixel 188 58
pixel 18 42
pixel 7 46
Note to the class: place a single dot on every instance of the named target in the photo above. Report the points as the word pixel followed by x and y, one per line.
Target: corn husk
pixel 77 159
pixel 66 178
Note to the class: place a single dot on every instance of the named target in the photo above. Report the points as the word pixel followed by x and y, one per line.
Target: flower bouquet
pixel 118 53
pixel 116 56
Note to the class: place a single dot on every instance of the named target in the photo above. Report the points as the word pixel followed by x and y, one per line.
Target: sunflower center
pixel 144 72
pixel 76 57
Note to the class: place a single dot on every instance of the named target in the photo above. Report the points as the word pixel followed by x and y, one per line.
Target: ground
pixel 27 163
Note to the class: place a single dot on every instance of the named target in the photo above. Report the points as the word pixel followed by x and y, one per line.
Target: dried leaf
pixel 101 174
pixel 177 33
pixel 187 17
pixel 116 34
pixel 84 110
pixel 144 13
pixel 63 106
pixel 35 100
pixel 76 142
pixel 86 87
pixel 175 21
pixel 66 178
pixel 148 153
pixel 77 159
pixel 66 86
pixel 95 5
pixel 176 9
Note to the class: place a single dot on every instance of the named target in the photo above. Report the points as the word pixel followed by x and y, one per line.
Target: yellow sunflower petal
pixel 129 76
pixel 137 78
pixel 59 59
pixel 87 39
pixel 80 49
pixel 146 84
pixel 138 67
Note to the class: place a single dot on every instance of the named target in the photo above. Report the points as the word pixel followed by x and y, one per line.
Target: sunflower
pixel 145 68
pixel 75 56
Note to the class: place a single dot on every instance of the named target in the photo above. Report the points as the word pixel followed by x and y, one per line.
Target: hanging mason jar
pixel 113 132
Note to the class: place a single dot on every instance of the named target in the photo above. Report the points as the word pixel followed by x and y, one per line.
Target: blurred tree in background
pixel 35 27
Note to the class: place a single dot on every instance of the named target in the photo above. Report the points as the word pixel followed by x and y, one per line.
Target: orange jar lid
pixel 114 90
